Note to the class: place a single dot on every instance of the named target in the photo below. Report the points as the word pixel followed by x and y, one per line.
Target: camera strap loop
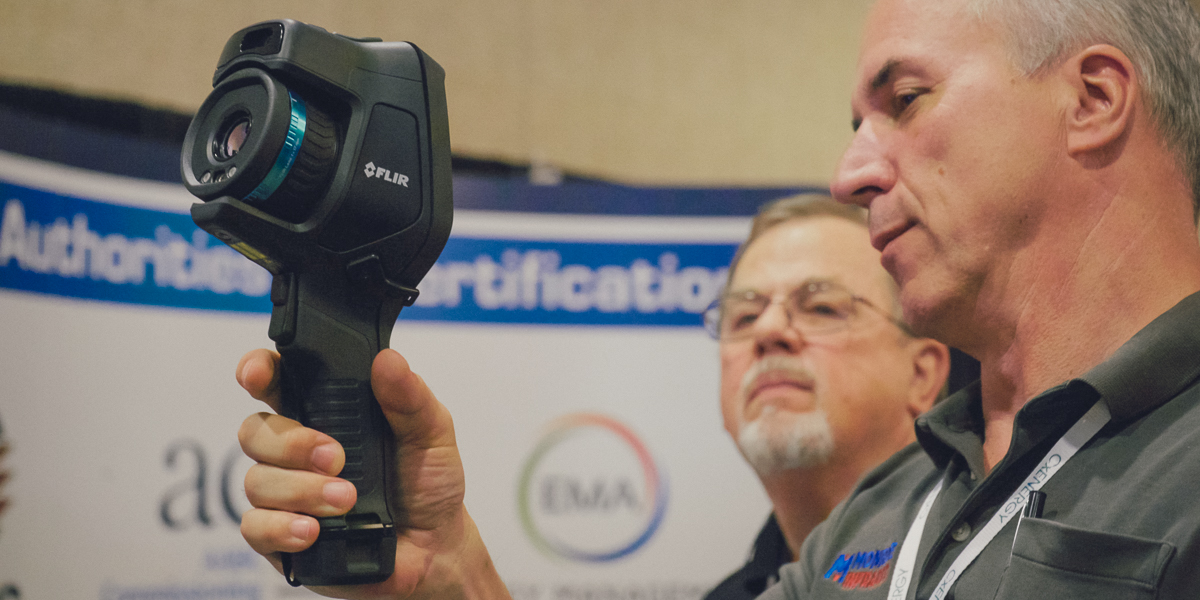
pixel 286 557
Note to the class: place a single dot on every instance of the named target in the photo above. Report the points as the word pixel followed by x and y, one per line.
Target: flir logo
pixel 381 173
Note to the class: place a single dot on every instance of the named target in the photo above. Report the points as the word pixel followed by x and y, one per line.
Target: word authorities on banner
pixel 80 248
pixel 85 249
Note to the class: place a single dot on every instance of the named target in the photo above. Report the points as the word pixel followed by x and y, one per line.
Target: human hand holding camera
pixel 326 160
pixel 439 552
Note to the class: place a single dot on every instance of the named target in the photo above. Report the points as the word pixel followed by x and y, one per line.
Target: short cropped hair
pixel 1160 37
pixel 802 207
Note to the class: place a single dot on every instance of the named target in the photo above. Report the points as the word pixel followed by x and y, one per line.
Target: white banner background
pixel 94 397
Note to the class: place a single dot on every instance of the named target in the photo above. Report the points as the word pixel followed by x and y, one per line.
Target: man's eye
pixel 904 100
pixel 827 309
pixel 741 319
pixel 824 310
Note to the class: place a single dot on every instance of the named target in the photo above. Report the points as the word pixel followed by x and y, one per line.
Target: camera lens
pixel 255 140
pixel 237 137
pixel 233 136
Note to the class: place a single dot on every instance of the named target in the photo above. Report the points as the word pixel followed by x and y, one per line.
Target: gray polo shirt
pixel 1121 518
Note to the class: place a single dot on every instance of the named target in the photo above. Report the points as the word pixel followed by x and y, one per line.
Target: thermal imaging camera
pixel 326 159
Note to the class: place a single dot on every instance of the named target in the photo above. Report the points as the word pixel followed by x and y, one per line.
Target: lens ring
pixel 251 93
pixel 287 155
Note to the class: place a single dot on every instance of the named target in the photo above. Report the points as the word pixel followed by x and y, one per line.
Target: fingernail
pixel 300 529
pixel 338 494
pixel 323 457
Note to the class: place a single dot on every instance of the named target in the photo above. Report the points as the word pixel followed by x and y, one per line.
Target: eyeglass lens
pixel 813 308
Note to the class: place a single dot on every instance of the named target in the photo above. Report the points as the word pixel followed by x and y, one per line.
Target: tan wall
pixel 646 91
pixel 704 92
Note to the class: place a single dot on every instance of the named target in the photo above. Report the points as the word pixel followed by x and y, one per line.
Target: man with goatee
pixel 820 379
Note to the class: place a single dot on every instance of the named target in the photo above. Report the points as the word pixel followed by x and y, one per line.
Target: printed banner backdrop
pixel 567 346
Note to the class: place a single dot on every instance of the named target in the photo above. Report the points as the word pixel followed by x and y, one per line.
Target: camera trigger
pixel 368 271
pixel 284 298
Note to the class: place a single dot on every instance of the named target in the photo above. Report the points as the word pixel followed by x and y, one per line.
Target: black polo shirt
pixel 1121 518
pixel 770 552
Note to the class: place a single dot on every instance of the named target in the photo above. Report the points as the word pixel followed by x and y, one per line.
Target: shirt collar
pixel 1154 365
pixel 770 552
pixel 1144 373
pixel 954 425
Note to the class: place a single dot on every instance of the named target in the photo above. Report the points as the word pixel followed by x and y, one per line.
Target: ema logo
pixel 381 173
pixel 590 491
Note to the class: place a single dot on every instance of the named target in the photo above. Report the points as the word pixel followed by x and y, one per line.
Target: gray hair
pixel 799 208
pixel 802 206
pixel 1160 37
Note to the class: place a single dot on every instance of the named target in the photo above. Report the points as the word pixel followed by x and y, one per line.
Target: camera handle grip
pixel 328 329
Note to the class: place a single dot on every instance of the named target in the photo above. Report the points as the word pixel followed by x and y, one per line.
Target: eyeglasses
pixel 815 308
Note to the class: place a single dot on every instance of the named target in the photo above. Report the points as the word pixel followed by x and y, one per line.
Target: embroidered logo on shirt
pixel 862 570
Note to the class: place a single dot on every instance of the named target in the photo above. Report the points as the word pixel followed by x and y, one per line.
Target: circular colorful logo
pixel 590 491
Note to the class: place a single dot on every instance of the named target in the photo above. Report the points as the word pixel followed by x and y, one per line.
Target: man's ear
pixel 931 366
pixel 1105 93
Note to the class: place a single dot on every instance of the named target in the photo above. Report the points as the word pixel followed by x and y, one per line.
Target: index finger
pixel 258 374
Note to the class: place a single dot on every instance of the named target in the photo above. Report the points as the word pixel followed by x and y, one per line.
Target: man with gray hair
pixel 1031 172
pixel 1030 168
pixel 820 381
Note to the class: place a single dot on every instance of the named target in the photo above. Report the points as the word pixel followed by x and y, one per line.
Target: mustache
pixel 783 367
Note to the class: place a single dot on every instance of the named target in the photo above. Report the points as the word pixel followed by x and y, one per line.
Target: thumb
pixel 415 415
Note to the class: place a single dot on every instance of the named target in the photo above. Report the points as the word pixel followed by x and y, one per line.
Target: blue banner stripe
pixel 75 247
pixel 509 281
pixel 56 244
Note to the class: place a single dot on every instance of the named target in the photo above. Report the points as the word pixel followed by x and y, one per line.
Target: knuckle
pixel 271 488
pixel 249 428
pixel 274 488
pixel 255 530
pixel 253 483
pixel 267 532
pixel 298 444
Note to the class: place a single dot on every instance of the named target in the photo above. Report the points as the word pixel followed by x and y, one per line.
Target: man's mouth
pixel 880 238
pixel 778 381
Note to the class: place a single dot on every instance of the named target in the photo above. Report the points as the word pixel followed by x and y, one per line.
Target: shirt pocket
pixel 1052 560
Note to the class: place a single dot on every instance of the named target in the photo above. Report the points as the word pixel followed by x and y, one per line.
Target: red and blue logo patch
pixel 862 570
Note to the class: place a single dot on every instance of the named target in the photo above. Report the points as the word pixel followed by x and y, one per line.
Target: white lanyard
pixel 1066 447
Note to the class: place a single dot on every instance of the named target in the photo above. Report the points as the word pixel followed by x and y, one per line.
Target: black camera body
pixel 326 160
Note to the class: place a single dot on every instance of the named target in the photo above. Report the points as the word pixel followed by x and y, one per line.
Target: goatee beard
pixel 771 447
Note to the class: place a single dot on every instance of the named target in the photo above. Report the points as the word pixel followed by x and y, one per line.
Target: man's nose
pixel 864 171
pixel 774 333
